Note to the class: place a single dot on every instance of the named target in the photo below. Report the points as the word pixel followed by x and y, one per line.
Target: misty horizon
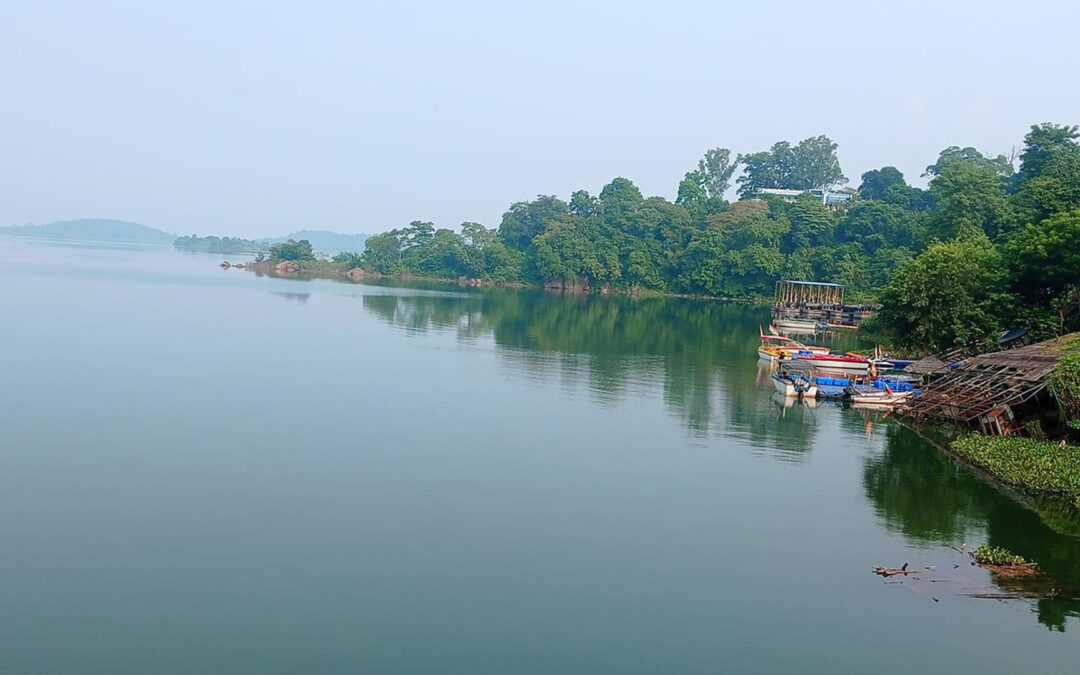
pixel 254 121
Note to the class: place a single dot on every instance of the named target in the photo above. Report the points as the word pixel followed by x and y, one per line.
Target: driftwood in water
pixel 892 571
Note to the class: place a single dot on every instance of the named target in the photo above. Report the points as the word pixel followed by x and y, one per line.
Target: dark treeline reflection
pixel 918 490
pixel 701 355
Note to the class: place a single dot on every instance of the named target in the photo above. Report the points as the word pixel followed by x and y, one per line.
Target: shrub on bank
pixel 1064 382
pixel 1027 463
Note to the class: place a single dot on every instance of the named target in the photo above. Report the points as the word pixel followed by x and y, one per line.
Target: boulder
pixel 356 274
pixel 287 267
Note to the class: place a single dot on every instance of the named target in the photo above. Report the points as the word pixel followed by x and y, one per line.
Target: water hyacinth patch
pixel 1043 466
pixel 994 555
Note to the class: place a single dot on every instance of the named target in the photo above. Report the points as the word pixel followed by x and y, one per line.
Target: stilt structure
pixel 818 301
pixel 985 390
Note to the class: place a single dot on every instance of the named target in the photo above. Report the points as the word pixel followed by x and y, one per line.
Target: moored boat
pixel 794 385
pixel 836 361
pixel 886 398
pixel 779 348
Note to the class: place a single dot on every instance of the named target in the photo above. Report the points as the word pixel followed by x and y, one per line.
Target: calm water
pixel 204 471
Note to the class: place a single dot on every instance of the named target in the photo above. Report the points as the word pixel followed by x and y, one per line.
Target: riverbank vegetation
pixel 1029 464
pixel 985 246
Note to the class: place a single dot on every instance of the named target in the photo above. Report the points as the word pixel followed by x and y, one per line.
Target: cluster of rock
pixel 577 285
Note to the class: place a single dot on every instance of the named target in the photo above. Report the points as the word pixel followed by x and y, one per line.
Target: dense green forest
pixel 985 246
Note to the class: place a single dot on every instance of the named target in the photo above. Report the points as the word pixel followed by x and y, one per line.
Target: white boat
pixel 881 398
pixel 794 385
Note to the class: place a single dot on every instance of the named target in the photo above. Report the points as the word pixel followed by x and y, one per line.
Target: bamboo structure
pixel 808 293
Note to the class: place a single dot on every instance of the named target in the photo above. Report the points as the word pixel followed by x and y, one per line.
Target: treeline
pixel 983 247
pixel 212 244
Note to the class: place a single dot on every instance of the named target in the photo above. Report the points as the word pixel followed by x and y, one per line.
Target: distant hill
pixel 323 241
pixel 92 229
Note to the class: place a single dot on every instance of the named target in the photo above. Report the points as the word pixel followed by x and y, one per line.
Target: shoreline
pixel 339 272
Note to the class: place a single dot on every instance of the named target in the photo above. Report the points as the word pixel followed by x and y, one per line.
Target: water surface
pixel 208 471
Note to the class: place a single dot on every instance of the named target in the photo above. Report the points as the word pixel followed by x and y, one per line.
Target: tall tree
pixel 1044 263
pixel 956 155
pixel 810 164
pixel 816 164
pixel 693 194
pixel 1045 142
pixel 970 198
pixel 876 183
pixel 526 220
pixel 716 169
pixel 951 294
pixel 1055 189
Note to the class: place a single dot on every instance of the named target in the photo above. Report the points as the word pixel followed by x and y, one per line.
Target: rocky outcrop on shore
pixel 287 268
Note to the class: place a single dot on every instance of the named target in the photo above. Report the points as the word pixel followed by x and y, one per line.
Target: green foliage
pixel 1026 463
pixel 526 220
pixel 810 164
pixel 1044 266
pixel 1064 383
pixel 999 557
pixel 1045 143
pixel 954 155
pixel 951 294
pixel 876 183
pixel 350 259
pixel 231 245
pixel 299 251
pixel 970 199
pixel 1056 189
pixel 716 168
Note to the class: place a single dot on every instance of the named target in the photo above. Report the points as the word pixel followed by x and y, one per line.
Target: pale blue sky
pixel 261 118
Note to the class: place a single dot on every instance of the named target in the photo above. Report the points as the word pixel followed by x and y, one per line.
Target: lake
pixel 207 471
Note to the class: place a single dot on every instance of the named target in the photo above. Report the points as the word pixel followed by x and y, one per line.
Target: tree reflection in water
pixel 920 491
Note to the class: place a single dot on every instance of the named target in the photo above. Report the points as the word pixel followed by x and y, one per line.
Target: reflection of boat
pixel 796 325
pixel 791 385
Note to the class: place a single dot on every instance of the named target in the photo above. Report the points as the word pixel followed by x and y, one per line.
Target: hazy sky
pixel 261 118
